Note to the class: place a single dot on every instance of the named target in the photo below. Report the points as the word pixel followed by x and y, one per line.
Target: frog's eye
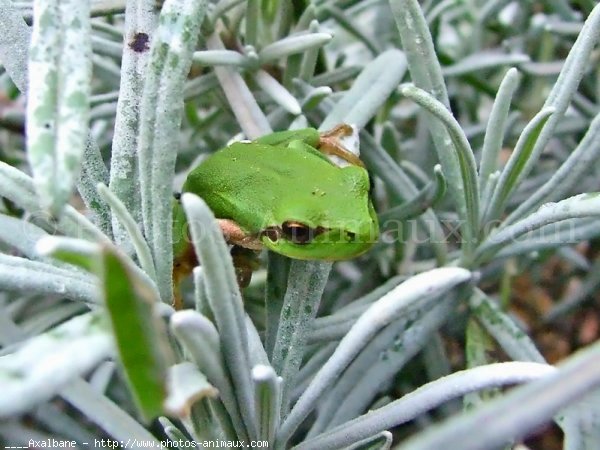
pixel 297 232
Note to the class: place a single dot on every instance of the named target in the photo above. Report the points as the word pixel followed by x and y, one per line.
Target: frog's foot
pixel 184 264
pixel 330 144
pixel 245 261
pixel 182 267
pixel 235 235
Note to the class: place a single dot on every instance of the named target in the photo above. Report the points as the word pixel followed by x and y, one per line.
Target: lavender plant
pixel 107 105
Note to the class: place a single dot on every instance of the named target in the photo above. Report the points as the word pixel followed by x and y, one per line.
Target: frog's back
pixel 246 177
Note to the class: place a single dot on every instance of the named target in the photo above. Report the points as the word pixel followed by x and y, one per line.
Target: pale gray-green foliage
pixel 436 98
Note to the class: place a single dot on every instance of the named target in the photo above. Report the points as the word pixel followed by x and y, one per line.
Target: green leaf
pixel 140 335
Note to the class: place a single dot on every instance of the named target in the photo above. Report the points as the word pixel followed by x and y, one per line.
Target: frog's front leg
pixel 244 247
pixel 235 235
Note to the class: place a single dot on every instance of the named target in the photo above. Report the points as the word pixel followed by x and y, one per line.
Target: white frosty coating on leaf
pixel 578 206
pixel 59 88
pixel 48 245
pixel 428 284
pixel 294 44
pixel 21 235
pixel 41 102
pixel 140 19
pixel 14 40
pixel 186 385
pixel 277 92
pixel 262 372
pixel 41 367
pixel 161 116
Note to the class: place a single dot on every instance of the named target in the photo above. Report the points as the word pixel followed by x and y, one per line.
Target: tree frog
pixel 282 192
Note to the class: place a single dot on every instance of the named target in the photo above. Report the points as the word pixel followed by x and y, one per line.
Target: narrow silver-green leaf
pixel 42 366
pixel 346 23
pixel 277 92
pixel 370 90
pixel 543 399
pixel 21 235
pixel 381 360
pixel 186 385
pixel 201 339
pixel 14 41
pixel 109 416
pixel 425 70
pixel 495 129
pixel 140 22
pixel 381 441
pixel 225 302
pixel 466 183
pixel 514 171
pixel 428 397
pixel 569 173
pixel 426 74
pixel 565 87
pixel 306 283
pixel 268 401
pixel 93 171
pixel 512 338
pixel 245 108
pixel 425 285
pixel 483 60
pixel 560 234
pixel 19 188
pixel 58 98
pixel 221 58
pixel 253 22
pixel 85 254
pixel 161 115
pixel 583 205
pixel 291 45
pixel 309 58
pixel 33 277
pixel 581 423
pixel 77 252
pixel 132 228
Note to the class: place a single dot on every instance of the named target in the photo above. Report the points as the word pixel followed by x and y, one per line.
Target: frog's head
pixel 329 218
